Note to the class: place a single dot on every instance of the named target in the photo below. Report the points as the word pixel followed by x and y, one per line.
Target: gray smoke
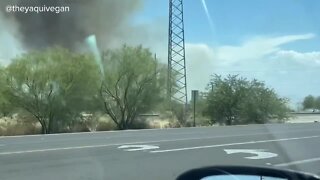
pixel 10 45
pixel 104 18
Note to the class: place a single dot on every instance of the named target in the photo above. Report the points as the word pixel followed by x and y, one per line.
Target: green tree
pixel 309 102
pixel 53 85
pixel 262 104
pixel 133 84
pixel 235 100
pixel 6 107
pixel 317 103
pixel 224 98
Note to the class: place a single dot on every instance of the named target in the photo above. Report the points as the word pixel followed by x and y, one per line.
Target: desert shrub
pixel 106 126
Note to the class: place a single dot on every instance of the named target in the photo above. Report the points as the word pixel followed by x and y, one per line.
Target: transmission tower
pixel 177 79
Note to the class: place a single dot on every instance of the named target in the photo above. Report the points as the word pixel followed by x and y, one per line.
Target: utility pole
pixel 177 78
pixel 194 98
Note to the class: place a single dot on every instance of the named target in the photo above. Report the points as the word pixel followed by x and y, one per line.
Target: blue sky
pixel 235 20
pixel 276 41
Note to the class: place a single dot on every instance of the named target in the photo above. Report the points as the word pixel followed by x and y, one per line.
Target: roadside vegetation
pixel 311 102
pixel 236 100
pixel 58 91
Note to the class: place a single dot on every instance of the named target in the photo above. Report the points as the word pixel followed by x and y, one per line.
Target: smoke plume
pixel 103 18
pixel 10 44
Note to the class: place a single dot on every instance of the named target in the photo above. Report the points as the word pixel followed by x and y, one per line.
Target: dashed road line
pixel 232 144
pixel 298 162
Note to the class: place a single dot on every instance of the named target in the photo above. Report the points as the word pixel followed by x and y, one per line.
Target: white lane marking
pixel 138 142
pixel 259 153
pixel 137 147
pixel 113 131
pixel 55 149
pixel 137 130
pixel 106 145
pixel 298 162
pixel 64 148
pixel 232 144
pixel 196 138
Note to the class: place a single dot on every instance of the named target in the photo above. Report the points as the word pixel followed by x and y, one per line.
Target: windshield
pixel 148 89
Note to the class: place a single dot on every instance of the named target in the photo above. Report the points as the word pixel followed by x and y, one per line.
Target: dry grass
pixel 27 125
pixel 106 126
pixel 10 127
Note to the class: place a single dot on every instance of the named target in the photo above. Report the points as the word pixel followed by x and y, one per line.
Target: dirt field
pixel 304 118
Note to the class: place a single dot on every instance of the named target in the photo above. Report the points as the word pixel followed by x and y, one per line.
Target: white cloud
pixel 307 58
pixel 256 48
pixel 261 58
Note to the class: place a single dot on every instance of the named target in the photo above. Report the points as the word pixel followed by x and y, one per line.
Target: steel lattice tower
pixel 176 54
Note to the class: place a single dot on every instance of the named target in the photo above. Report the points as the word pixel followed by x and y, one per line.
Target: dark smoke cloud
pixel 104 18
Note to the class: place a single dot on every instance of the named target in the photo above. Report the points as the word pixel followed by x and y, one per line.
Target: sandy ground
pixel 304 118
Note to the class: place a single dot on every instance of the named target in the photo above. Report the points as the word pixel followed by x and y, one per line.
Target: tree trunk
pixel 43 126
pixel 44 129
pixel 125 125
pixel 229 122
pixel 50 126
pixel 122 125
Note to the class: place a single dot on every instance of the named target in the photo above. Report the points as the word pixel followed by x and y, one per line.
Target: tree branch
pixel 111 113
pixel 133 110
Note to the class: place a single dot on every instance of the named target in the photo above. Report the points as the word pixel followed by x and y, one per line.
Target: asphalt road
pixel 158 154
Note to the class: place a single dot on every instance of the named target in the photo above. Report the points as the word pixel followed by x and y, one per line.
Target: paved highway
pixel 158 154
